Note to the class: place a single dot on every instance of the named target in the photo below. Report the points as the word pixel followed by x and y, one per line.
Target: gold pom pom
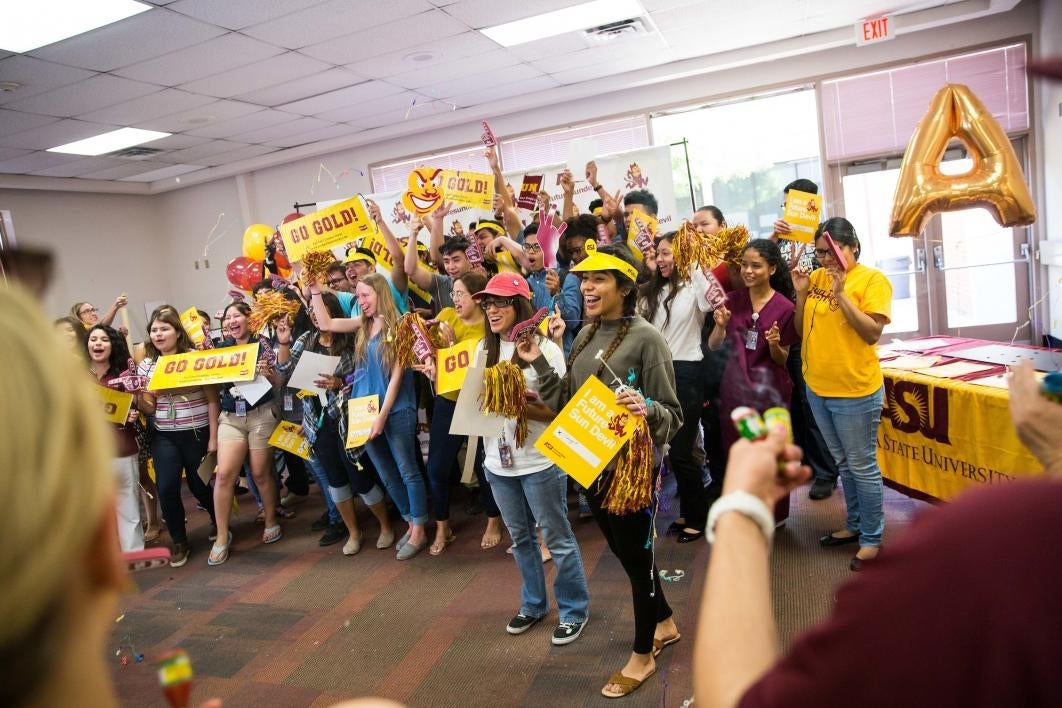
pixel 728 245
pixel 690 249
pixel 631 489
pixel 315 266
pixel 412 343
pixel 268 306
pixel 503 393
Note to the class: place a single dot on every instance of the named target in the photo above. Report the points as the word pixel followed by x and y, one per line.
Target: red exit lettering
pixel 874 30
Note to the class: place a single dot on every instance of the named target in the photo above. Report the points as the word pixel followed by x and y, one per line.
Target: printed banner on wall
pixel 939 437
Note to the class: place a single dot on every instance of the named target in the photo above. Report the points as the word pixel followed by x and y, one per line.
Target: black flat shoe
pixel 829 540
pixel 676 527
pixel 687 537
pixel 858 563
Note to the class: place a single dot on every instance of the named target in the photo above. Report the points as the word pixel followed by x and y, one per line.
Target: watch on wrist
pixel 745 504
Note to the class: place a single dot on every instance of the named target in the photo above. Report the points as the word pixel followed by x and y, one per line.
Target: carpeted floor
pixel 293 624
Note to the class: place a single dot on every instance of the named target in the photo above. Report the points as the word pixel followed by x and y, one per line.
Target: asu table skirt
pixel 941 436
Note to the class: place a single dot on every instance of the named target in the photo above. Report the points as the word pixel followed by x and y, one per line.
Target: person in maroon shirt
pixel 962 611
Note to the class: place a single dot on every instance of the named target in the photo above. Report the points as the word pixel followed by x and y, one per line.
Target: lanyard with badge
pixel 752 335
pixel 241 403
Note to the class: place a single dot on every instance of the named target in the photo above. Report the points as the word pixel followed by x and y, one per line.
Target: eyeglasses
pixel 458 294
pixel 86 310
pixel 497 302
pixel 821 252
pixel 336 282
pixel 532 247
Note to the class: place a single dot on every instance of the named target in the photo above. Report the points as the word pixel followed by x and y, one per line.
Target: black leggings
pixel 627 536
pixel 174 451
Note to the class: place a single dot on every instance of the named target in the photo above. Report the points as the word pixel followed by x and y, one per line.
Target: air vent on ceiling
pixel 135 153
pixel 636 26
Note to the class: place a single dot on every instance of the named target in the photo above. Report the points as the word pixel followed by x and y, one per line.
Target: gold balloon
pixel 996 181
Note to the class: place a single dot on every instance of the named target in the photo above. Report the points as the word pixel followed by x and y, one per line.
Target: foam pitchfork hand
pixel 549 235
pixel 129 381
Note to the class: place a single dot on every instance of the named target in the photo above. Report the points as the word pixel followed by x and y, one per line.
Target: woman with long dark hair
pixel 108 359
pixel 758 322
pixel 183 429
pixel 616 338
pixel 678 310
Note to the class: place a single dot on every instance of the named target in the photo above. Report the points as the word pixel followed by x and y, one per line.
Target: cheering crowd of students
pixel 687 361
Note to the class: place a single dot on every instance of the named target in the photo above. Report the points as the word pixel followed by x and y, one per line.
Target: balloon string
pixel 211 239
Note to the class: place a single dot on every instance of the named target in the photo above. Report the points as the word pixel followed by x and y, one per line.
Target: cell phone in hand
pixel 838 255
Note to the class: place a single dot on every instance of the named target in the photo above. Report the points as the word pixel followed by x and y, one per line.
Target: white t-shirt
pixel 688 310
pixel 526 459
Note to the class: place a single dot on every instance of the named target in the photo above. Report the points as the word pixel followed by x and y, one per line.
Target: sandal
pixel 272 534
pixel 659 644
pixel 151 535
pixel 260 517
pixel 285 513
pixel 438 547
pixel 627 684
pixel 490 542
pixel 220 554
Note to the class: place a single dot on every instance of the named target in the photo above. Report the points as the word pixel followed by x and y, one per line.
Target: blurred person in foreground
pixel 961 611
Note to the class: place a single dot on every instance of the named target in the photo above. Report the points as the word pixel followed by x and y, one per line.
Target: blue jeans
pixel 394 454
pixel 850 428
pixel 318 472
pixel 543 497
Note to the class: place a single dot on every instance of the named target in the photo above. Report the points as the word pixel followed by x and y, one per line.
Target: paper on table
pixel 1001 380
pixel 911 363
pixel 954 369
pixel 468 418
pixel 253 390
pixel 310 367
pixel 920 345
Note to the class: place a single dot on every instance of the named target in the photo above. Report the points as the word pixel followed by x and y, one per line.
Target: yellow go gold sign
pixel 211 366
pixel 288 437
pixel 116 404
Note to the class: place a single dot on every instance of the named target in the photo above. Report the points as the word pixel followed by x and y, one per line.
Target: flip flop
pixel 659 644
pixel 219 554
pixel 438 548
pixel 486 544
pixel 272 534
pixel 627 684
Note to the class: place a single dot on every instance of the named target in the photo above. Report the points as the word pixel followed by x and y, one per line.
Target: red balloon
pixel 243 273
pixel 291 217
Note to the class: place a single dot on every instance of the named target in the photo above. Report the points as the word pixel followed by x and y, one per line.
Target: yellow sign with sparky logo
pixel 641 231
pixel 211 366
pixel 802 212
pixel 116 404
pixel 362 412
pixel 326 228
pixel 587 433
pixel 193 325
pixel 288 437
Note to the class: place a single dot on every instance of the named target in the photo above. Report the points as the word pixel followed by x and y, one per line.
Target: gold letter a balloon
pixel 996 181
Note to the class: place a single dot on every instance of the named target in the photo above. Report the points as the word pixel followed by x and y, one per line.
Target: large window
pixel 742 154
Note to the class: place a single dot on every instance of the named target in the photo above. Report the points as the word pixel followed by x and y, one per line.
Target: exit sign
pixel 873 30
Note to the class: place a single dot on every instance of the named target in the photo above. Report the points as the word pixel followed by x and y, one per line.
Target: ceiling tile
pixel 334 18
pixel 144 36
pixel 444 50
pixel 202 116
pixel 84 96
pixel 14 121
pixel 651 46
pixel 609 68
pixel 333 131
pixel 237 14
pixel 79 167
pixel 10 153
pixel 477 97
pixel 36 76
pixel 130 167
pixel 57 133
pixel 551 46
pixel 268 72
pixel 162 173
pixel 485 80
pixel 406 113
pixel 427 77
pixel 356 111
pixel 139 110
pixel 244 153
pixel 487 13
pixel 243 124
pixel 409 32
pixel 39 160
pixel 199 153
pixel 178 142
pixel 201 60
pixel 341 97
pixel 304 87
pixel 294 127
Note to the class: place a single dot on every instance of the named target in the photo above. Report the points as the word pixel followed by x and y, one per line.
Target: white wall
pixel 181 220
pixel 104 244
pixel 1048 97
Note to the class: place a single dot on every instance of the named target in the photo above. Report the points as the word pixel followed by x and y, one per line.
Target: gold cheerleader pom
pixel 631 489
pixel 690 249
pixel 504 393
pixel 268 306
pixel 412 343
pixel 315 266
pixel 728 245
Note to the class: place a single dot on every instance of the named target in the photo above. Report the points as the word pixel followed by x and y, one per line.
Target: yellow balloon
pixel 995 183
pixel 255 239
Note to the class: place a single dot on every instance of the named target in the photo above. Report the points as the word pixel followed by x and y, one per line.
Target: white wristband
pixel 743 503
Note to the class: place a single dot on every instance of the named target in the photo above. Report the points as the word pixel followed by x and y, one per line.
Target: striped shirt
pixel 178 411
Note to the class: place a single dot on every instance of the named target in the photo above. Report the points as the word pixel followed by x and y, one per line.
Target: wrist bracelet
pixel 746 504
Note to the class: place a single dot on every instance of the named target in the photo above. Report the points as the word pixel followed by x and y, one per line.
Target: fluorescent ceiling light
pixel 570 19
pixel 109 142
pixel 29 25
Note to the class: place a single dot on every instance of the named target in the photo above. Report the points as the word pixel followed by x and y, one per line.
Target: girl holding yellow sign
pixel 618 342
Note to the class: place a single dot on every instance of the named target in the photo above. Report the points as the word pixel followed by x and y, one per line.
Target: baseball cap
pixel 360 254
pixel 505 285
